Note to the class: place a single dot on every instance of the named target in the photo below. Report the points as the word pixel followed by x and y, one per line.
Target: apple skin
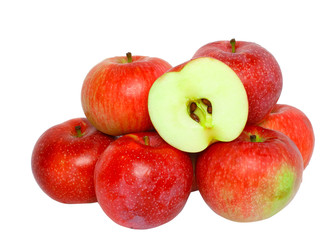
pixel 114 94
pixel 258 70
pixel 296 125
pixel 142 186
pixel 63 163
pixel 194 158
pixel 248 181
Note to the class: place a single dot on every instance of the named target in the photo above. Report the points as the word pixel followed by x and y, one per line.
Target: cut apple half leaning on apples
pixel 197 103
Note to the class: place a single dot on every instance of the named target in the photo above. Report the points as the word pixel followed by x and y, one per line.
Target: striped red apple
pixel 251 178
pixel 296 125
pixel 114 94
pixel 257 68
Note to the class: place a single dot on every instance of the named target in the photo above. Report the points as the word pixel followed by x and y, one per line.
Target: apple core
pixel 200 110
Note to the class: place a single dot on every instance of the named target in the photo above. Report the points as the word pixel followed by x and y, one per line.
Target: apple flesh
pixel 296 125
pixel 197 103
pixel 114 94
pixel 141 181
pixel 251 178
pixel 257 68
pixel 64 158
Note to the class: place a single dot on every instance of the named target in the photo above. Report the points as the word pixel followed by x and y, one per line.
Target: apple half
pixel 197 103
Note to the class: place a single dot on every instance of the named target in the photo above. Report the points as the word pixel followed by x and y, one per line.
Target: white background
pixel 48 47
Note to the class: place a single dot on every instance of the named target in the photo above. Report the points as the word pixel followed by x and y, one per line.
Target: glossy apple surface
pixel 257 68
pixel 194 158
pixel 64 158
pixel 251 178
pixel 141 181
pixel 115 93
pixel 296 125
pixel 197 103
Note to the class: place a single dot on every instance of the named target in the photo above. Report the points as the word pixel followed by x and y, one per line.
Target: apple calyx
pixel 200 110
pixel 233 45
pixel 129 57
pixel 78 131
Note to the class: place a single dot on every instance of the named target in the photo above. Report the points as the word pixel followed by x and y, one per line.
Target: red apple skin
pixel 142 186
pixel 194 158
pixel 114 94
pixel 63 163
pixel 247 181
pixel 258 70
pixel 296 125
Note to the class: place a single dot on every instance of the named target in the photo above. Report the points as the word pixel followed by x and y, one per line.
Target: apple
pixel 197 103
pixel 296 125
pixel 141 181
pixel 63 160
pixel 257 68
pixel 251 178
pixel 114 94
pixel 194 158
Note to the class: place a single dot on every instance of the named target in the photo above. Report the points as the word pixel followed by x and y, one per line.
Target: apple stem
pixel 146 140
pixel 78 130
pixel 233 45
pixel 253 138
pixel 129 57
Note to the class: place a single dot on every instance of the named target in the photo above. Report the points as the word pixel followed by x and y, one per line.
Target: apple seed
pixel 208 104
pixel 206 101
pixel 193 107
pixel 195 117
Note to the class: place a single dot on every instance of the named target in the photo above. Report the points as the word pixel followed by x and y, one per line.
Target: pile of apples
pixel 154 133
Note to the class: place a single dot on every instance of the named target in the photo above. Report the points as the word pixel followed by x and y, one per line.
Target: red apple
pixel 194 158
pixel 251 178
pixel 64 158
pixel 115 93
pixel 256 67
pixel 141 181
pixel 296 125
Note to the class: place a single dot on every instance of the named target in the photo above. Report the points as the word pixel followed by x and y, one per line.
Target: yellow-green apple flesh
pixel 64 158
pixel 251 178
pixel 197 103
pixel 296 125
pixel 114 94
pixel 257 68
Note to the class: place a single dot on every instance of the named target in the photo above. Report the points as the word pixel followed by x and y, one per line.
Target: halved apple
pixel 198 103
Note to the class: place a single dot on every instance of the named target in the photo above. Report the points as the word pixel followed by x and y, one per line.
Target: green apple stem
pixel 129 57
pixel 233 45
pixel 78 130
pixel 146 140
pixel 253 138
